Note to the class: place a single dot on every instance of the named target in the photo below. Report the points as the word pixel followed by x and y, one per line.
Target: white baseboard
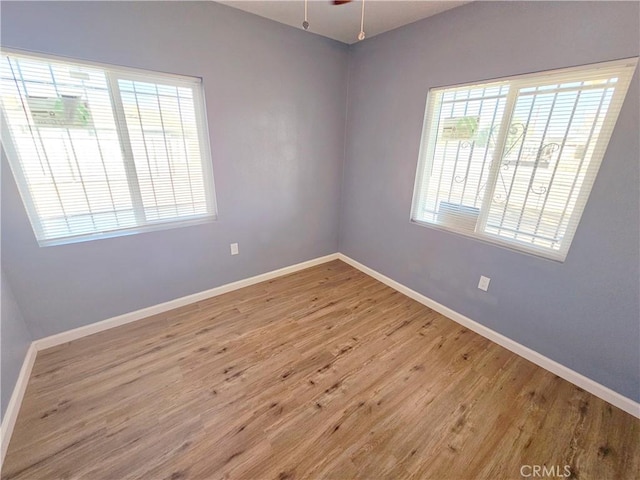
pixel 597 389
pixel 11 414
pixel 80 332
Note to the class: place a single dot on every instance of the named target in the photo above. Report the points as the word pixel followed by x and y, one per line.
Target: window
pixel 512 161
pixel 101 151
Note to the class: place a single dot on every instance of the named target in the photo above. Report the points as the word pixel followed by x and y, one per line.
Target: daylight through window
pixel 99 151
pixel 512 161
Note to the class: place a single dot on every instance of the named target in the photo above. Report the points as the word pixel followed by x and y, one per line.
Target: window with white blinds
pixel 102 151
pixel 512 161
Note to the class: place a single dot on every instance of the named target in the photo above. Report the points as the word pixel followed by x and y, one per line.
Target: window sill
pixel 552 255
pixel 167 225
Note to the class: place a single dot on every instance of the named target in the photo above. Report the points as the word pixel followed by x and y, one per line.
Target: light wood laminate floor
pixel 324 373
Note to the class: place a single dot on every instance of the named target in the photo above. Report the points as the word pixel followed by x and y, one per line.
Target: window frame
pixel 112 74
pixel 430 130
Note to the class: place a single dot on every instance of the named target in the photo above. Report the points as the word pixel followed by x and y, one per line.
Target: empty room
pixel 320 239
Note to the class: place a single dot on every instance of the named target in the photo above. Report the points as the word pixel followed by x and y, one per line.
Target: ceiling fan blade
pixel 340 2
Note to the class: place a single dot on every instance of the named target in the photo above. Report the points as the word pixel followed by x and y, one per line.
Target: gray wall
pixel 276 101
pixel 14 342
pixel 583 313
pixel 276 105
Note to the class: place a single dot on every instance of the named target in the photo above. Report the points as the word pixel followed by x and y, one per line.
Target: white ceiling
pixel 342 22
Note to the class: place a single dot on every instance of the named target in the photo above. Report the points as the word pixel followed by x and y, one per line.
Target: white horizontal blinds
pixel 63 130
pixel 514 160
pixel 466 122
pixel 163 131
pixel 541 178
pixel 97 150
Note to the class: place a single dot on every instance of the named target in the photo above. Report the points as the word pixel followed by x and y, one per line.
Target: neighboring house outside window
pixel 512 161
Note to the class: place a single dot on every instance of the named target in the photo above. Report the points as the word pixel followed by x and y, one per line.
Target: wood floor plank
pixel 324 373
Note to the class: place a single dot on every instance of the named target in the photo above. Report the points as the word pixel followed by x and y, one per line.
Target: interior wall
pixel 15 339
pixel 276 111
pixel 276 102
pixel 583 313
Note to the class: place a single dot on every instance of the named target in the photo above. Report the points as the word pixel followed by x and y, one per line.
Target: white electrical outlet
pixel 234 249
pixel 483 284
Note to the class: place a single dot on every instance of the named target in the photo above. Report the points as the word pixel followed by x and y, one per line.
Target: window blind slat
pixel 529 194
pixel 99 149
